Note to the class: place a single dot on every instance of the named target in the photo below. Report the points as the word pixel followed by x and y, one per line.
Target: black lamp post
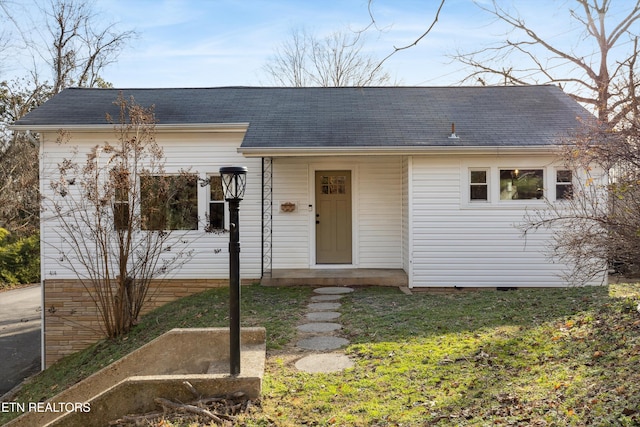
pixel 234 179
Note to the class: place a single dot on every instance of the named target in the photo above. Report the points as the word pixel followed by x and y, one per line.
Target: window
pixel 564 185
pixel 478 185
pixel 121 209
pixel 336 184
pixel 169 202
pixel 521 184
pixel 216 203
pixel 120 182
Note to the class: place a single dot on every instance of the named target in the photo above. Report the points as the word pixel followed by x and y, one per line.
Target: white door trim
pixel 333 165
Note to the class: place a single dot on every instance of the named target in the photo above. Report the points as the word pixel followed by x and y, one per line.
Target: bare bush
pixel 116 211
pixel 598 227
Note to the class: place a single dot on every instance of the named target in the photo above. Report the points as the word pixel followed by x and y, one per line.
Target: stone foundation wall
pixel 71 319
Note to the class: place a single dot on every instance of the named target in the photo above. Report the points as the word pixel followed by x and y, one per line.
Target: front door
pixel 333 217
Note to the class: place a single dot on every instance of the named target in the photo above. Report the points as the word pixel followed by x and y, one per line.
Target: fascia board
pixel 188 128
pixel 408 150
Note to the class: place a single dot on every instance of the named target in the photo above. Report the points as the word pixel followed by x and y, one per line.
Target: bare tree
pixel 336 60
pixel 114 210
pixel 4 42
pixel 77 47
pixel 288 66
pixel 70 36
pixel 80 48
pixel 597 226
pixel 590 73
pixel 19 195
pixel 373 23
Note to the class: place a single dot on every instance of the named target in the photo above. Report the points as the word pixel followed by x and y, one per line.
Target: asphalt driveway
pixel 20 357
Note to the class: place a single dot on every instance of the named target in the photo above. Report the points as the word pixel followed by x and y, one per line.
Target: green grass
pixel 547 357
pixel 208 309
pixel 528 357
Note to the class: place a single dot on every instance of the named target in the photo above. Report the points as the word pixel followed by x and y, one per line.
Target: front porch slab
pixel 336 277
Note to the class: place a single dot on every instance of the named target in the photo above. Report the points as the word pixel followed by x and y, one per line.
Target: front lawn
pixel 547 357
pixel 526 358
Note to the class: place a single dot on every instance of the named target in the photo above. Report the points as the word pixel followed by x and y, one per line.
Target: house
pixel 428 182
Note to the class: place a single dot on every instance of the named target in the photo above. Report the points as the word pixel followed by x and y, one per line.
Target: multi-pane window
pixel 169 202
pixel 121 209
pixel 478 185
pixel 334 184
pixel 120 182
pixel 521 184
pixel 564 185
pixel 216 203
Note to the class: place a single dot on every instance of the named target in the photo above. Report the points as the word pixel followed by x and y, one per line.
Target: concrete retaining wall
pixel 158 369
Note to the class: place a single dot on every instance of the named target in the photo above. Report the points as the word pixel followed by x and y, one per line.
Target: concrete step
pixel 336 277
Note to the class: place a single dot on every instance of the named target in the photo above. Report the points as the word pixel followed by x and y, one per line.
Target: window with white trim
pixel 120 182
pixel 121 209
pixel 169 202
pixel 564 184
pixel 216 203
pixel 521 184
pixel 478 185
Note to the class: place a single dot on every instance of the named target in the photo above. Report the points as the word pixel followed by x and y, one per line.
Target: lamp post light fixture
pixel 234 179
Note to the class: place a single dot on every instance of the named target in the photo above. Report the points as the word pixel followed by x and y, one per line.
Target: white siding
pixel 199 152
pixel 377 210
pixel 456 243
pixel 379 219
pixel 291 238
pixel 407 216
pixel 409 212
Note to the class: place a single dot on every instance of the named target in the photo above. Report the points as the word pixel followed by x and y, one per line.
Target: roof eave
pixel 405 150
pixel 189 127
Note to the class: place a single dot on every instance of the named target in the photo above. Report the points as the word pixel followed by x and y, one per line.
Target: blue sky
pixel 200 43
pixel 227 42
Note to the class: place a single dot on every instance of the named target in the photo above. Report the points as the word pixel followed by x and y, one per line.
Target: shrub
pixel 19 259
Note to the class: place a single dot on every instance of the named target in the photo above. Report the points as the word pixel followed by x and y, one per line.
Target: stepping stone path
pixel 317 334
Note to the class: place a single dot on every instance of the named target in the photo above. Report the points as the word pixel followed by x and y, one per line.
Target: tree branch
pixel 414 43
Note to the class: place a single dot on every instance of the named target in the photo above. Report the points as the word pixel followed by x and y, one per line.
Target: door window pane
pixel 334 184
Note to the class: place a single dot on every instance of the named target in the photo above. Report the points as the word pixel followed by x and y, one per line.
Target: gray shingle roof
pixel 342 117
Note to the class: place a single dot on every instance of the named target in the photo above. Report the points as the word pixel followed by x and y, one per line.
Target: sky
pixel 228 42
pixel 209 43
